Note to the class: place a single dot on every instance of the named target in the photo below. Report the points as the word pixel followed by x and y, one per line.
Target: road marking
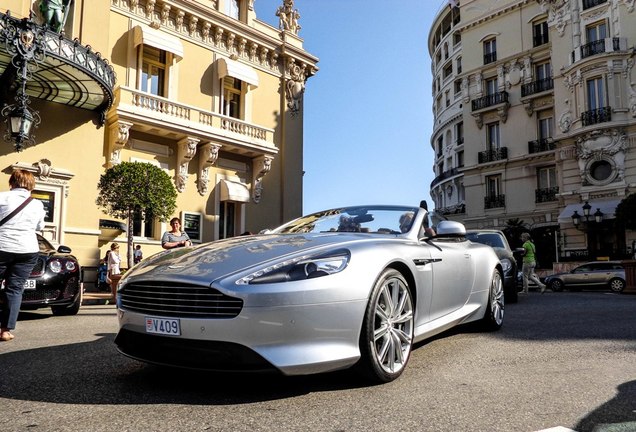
pixel 557 429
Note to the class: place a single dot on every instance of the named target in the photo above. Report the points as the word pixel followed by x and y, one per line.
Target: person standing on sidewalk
pixel 529 263
pixel 114 272
pixel 20 217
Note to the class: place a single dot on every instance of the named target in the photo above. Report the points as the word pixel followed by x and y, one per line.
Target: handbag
pixel 16 211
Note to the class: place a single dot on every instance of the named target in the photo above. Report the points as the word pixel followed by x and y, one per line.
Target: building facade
pixel 202 89
pixel 548 112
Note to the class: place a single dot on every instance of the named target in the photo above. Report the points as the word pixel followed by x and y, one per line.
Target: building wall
pixel 573 147
pixel 263 146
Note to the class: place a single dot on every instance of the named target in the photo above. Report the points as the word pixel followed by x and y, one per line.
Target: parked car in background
pixel 55 281
pixel 348 287
pixel 596 274
pixel 497 240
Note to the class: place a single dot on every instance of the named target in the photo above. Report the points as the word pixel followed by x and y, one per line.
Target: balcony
pixel 443 176
pixel 587 4
pixel 489 100
pixel 537 86
pixel 599 115
pixel 541 145
pixel 460 140
pixel 494 201
pixel 546 194
pixel 149 112
pixel 607 45
pixel 493 155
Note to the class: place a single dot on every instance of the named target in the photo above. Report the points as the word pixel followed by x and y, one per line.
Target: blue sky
pixel 368 116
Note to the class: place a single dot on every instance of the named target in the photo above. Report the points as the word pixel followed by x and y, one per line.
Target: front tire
pixel 72 309
pixel 556 285
pixel 386 338
pixel 493 318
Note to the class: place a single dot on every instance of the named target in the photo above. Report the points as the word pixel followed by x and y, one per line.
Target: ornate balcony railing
pixel 493 155
pixel 591 3
pixel 599 115
pixel 546 194
pixel 537 86
pixel 460 140
pixel 494 201
pixel 490 100
pixel 599 47
pixel 541 145
pixel 155 109
pixel 443 176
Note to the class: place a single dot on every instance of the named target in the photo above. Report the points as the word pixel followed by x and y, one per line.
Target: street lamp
pixel 24 42
pixel 576 217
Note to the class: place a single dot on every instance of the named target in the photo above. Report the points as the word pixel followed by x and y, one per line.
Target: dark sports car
pixel 54 282
pixel 347 287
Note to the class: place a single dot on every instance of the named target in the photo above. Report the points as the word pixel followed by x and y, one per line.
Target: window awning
pixel 233 191
pixel 227 67
pixel 155 38
pixel 112 224
pixel 607 207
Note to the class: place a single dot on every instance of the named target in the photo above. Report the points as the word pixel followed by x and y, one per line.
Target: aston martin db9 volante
pixel 348 287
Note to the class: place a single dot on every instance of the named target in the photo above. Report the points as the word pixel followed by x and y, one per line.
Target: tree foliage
pixel 626 212
pixel 136 188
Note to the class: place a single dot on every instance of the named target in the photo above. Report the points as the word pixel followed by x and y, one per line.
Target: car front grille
pixel 48 294
pixel 39 268
pixel 178 300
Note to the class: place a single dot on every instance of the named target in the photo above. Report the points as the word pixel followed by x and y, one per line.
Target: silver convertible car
pixel 348 287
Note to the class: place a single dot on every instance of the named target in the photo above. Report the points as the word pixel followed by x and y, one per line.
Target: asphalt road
pixel 561 360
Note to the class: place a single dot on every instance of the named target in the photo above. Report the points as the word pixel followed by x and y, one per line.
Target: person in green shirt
pixel 529 263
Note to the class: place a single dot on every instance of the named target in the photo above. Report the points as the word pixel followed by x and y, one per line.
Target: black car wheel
pixel 556 285
pixel 387 330
pixel 617 285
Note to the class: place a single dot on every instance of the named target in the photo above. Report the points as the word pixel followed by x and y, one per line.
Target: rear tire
pixel 386 338
pixel 617 285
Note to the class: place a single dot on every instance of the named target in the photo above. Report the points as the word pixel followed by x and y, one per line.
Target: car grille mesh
pixel 39 267
pixel 178 300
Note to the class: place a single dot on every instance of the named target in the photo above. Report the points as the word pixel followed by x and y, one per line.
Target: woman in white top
pixel 114 272
pixel 18 245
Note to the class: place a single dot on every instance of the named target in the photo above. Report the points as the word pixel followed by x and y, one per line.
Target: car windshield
pixel 490 239
pixel 44 244
pixel 367 219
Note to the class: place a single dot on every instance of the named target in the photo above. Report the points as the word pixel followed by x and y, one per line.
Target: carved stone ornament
pixel 557 10
pixel 608 145
pixel 630 5
pixel 261 166
pixel 187 148
pixel 295 86
pixel 208 155
pixel 632 101
pixel 119 134
pixel 44 172
pixel 565 122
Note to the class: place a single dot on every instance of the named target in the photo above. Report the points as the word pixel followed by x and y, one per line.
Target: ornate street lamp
pixel 24 42
pixel 576 219
pixel 586 210
pixel 598 216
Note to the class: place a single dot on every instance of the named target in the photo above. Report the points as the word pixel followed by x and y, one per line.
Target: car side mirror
pixel 519 252
pixel 64 249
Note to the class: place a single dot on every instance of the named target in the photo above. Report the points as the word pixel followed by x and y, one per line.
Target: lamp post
pixel 24 42
pixel 588 223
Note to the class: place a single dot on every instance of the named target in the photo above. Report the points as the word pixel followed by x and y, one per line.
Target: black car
pixel 55 281
pixel 497 240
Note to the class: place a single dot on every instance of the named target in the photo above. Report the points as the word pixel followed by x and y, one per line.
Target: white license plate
pixel 30 284
pixel 167 326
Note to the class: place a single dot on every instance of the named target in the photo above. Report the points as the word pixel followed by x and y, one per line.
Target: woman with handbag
pixel 21 216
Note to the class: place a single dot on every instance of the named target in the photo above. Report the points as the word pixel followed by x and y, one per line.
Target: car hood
pixel 218 259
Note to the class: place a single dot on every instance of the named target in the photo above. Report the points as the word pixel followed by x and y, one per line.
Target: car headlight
pixel 299 268
pixel 506 264
pixel 58 265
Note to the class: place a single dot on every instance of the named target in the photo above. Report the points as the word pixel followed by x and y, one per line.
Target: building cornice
pixel 489 16
pixel 213 30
